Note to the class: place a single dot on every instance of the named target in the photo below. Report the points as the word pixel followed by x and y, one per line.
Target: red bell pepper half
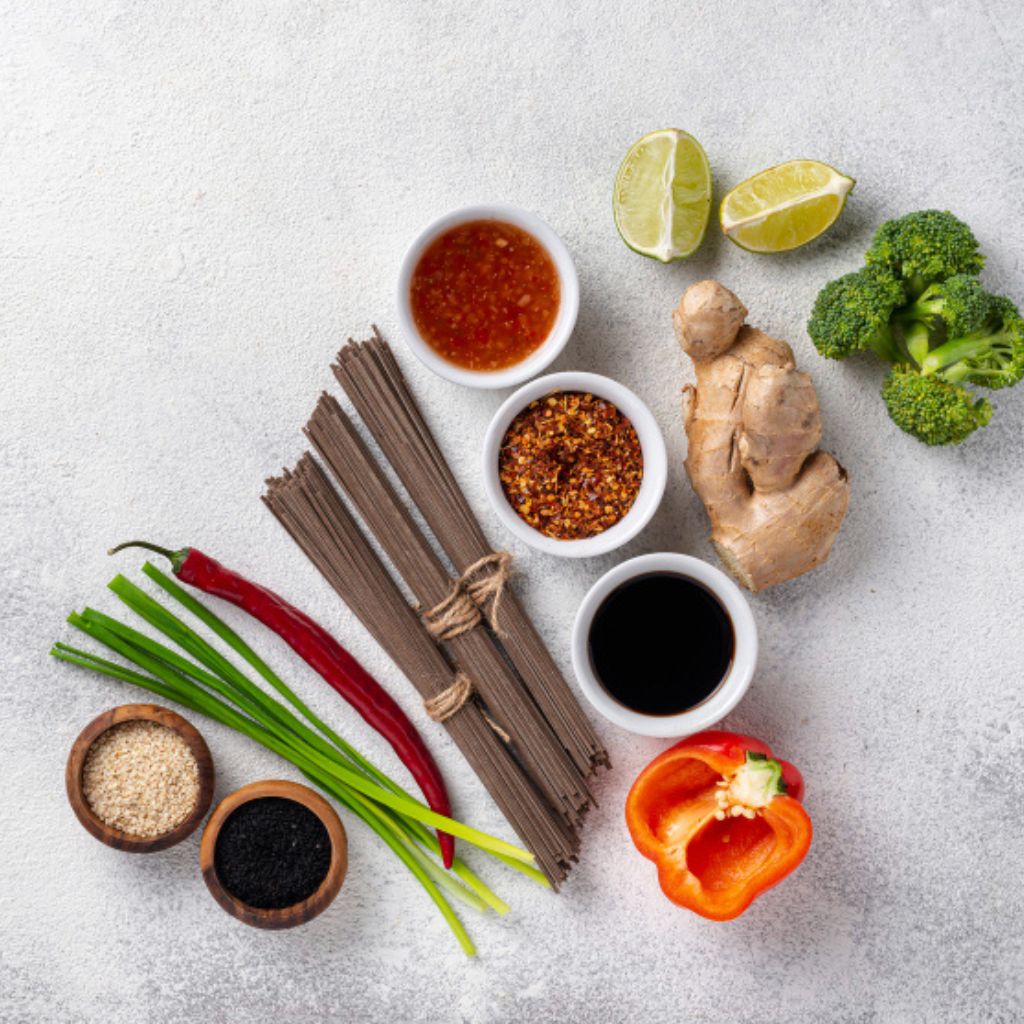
pixel 722 820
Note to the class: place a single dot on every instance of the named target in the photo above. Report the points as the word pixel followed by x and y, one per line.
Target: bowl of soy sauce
pixel 664 645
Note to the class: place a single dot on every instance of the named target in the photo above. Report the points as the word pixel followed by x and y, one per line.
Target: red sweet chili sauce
pixel 485 295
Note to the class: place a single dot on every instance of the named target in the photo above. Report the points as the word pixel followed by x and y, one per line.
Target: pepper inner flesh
pixel 719 853
pixel 687 795
pixel 750 843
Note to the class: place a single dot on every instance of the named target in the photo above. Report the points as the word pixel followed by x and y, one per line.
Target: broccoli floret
pixel 919 306
pixel 935 411
pixel 852 314
pixel 924 247
pixel 960 304
pixel 949 308
pixel 991 355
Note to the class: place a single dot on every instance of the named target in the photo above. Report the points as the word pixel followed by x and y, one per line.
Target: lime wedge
pixel 784 207
pixel 663 195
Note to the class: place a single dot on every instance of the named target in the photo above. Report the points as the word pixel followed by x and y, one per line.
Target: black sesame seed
pixel 272 853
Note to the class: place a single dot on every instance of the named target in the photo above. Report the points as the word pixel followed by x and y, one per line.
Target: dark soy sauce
pixel 661 643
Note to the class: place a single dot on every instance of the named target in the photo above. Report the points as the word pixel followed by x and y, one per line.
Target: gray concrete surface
pixel 198 202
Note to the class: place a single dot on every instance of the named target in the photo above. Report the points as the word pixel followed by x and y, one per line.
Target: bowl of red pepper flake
pixel 574 464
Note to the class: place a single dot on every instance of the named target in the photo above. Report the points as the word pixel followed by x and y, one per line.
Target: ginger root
pixel 753 425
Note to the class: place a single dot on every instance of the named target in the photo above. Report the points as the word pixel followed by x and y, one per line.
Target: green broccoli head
pixel 852 314
pixel 924 247
pixel 990 355
pixel 935 411
pixel 960 304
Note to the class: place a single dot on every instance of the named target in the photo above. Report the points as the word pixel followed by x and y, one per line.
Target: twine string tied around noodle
pixel 451 700
pixel 476 593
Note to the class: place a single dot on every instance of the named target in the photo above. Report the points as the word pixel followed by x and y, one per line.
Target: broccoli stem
pixel 917 341
pixel 957 373
pixel 884 345
pixel 958 350
pixel 916 285
pixel 927 305
pixel 991 378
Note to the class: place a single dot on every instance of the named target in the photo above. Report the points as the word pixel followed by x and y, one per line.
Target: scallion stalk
pixel 97 625
pixel 354 801
pixel 239 646
pixel 147 607
pixel 217 688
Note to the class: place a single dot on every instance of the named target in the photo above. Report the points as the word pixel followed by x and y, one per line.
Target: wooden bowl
pixel 298 913
pixel 76 760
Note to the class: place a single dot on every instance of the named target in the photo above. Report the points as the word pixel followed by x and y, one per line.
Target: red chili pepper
pixel 324 654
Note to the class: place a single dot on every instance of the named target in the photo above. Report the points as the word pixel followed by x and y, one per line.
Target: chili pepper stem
pixel 174 557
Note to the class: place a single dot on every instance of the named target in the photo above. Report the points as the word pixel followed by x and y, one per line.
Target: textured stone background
pixel 199 201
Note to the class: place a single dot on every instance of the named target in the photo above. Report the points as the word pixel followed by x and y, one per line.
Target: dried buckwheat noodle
pixel 370 376
pixel 307 506
pixel 475 651
pixel 471 651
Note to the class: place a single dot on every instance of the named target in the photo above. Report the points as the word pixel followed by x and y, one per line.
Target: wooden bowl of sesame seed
pixel 275 856
pixel 139 778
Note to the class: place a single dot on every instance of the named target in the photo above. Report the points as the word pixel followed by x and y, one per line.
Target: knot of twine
pixel 477 592
pixel 448 702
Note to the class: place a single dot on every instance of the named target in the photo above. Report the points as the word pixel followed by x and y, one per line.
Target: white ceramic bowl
pixel 652 445
pixel 568 305
pixel 729 691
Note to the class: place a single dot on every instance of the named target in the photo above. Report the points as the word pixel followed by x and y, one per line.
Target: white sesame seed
pixel 141 778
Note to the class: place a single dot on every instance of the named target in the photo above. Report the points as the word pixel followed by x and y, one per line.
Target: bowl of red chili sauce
pixel 487 296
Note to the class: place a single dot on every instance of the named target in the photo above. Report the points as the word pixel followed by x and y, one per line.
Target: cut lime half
pixel 662 195
pixel 785 206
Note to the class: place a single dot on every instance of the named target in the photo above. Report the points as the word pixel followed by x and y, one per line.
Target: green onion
pixel 215 687
pixel 156 658
pixel 237 644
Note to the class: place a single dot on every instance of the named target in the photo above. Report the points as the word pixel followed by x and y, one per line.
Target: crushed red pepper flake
pixel 571 465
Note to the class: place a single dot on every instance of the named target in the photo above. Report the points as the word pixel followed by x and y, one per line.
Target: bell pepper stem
pixel 757 781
